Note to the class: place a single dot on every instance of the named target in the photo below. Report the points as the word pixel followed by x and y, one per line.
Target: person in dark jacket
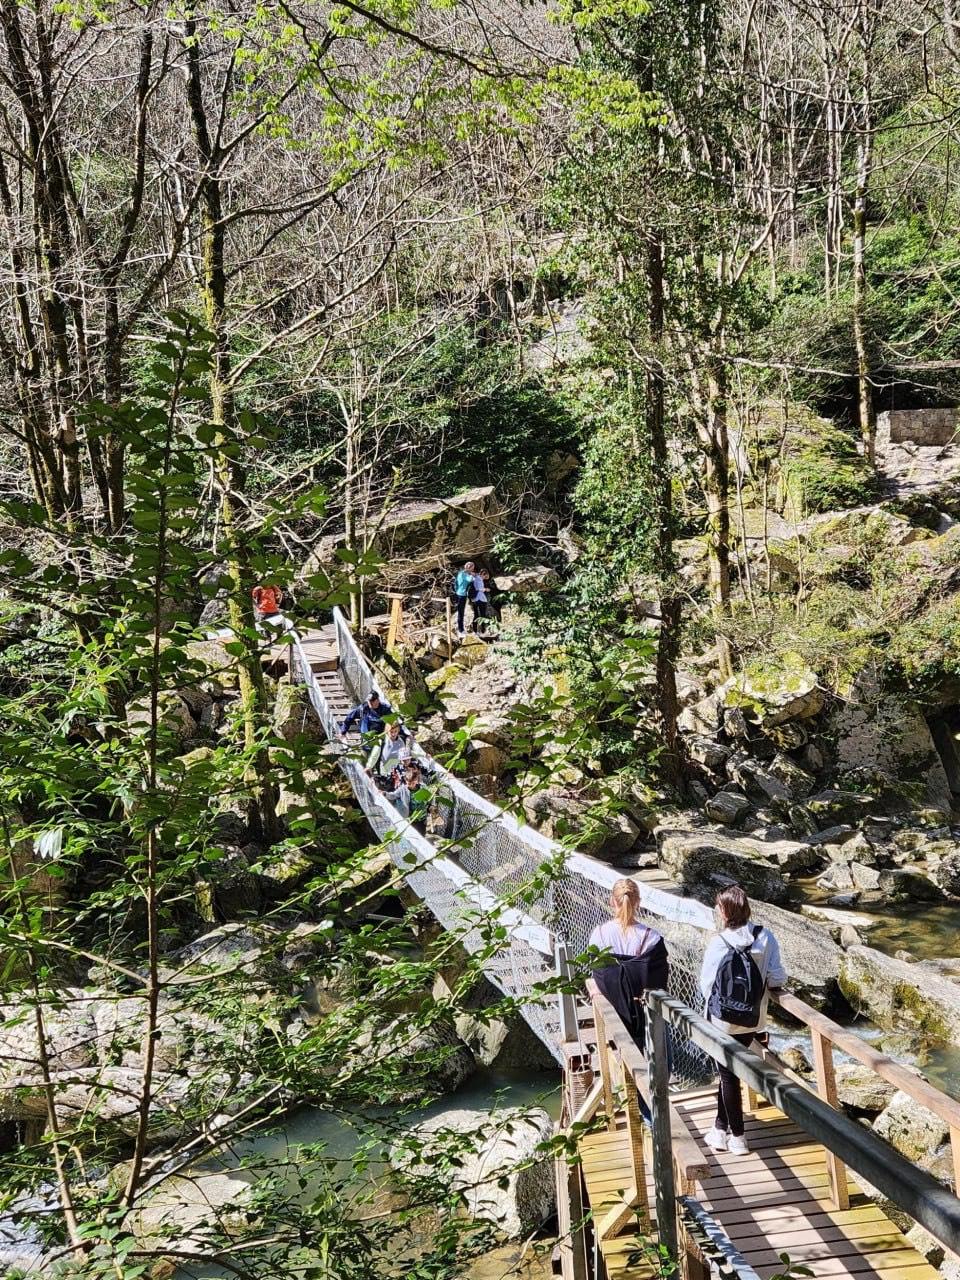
pixel 638 960
pixel 370 715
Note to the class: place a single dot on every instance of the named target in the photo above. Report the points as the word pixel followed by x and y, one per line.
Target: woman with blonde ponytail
pixel 635 957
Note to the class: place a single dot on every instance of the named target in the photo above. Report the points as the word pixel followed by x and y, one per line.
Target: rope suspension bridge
pixel 638 1193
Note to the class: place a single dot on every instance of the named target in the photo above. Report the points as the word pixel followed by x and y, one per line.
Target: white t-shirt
pixel 635 940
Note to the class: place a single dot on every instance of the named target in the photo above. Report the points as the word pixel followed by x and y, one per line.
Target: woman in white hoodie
pixel 757 947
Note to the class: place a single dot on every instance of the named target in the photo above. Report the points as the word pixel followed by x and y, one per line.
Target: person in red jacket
pixel 266 607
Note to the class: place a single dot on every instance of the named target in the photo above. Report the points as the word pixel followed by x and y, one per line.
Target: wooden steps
pixel 607 1165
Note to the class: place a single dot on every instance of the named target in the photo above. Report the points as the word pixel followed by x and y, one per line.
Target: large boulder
pixel 839 807
pixel 294 715
pixel 188 1039
pixel 173 716
pixel 849 876
pixel 704 861
pixel 948 874
pixel 112 1095
pixel 497 1038
pixel 910 1127
pixel 219 667
pixel 414 1061
pixel 416 536
pixel 789 691
pixel 493 1160
pixel 727 807
pixel 900 996
pixel 810 956
pixel 71 1037
pixel 911 886
pixel 528 581
pixel 191 1212
pixel 861 1089
pixel 883 730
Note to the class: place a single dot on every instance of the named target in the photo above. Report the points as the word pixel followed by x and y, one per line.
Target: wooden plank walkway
pixel 774 1200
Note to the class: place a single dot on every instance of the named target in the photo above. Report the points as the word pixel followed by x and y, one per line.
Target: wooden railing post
pixel 658 1076
pixel 827 1090
pixel 955 1149
pixel 603 1064
pixel 567 1003
pixel 631 1108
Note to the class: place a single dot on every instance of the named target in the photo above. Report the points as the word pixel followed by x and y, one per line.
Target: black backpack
pixel 738 987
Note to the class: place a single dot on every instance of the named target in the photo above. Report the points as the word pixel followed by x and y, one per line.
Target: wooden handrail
pixel 848 1042
pixel 692 1165
pixel 914 1190
pixel 826 1033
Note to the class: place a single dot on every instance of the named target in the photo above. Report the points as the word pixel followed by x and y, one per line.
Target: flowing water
pixel 485 1091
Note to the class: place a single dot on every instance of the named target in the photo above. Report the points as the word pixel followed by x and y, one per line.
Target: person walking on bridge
pixel 395 745
pixel 741 967
pixel 369 715
pixel 637 959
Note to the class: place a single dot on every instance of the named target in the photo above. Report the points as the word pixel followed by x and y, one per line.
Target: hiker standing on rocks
pixel 464 589
pixel 479 599
pixel 741 967
pixel 492 591
pixel 638 958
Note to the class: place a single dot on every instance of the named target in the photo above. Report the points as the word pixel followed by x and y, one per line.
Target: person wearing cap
pixel 370 715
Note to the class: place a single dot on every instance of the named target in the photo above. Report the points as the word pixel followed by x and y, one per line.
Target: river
pixel 485 1090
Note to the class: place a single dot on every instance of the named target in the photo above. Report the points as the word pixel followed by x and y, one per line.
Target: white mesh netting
pixel 481 865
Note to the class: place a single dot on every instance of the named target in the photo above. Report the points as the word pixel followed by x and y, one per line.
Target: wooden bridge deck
pixel 775 1200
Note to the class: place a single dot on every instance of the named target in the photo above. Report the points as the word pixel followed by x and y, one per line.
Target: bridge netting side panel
pixel 555 886
pixel 515 951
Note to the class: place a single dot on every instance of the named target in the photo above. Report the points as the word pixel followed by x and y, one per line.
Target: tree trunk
pixel 668 642
pixel 253 698
pixel 716 483
pixel 865 407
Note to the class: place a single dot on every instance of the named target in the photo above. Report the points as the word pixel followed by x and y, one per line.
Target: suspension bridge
pixel 639 1192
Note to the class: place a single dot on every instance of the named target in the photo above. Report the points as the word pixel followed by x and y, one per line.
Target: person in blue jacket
pixel 370 714
pixel 463 589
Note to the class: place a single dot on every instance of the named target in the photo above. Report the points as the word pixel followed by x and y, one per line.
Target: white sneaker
pixel 737 1146
pixel 716 1139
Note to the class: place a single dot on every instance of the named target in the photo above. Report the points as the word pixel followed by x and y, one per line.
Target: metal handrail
pixel 912 1189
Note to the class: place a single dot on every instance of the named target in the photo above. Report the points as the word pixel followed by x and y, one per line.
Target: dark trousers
pixel 461 611
pixel 730 1094
pixel 479 611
